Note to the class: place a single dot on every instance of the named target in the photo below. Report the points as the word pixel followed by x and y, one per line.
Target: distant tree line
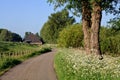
pixel 6 35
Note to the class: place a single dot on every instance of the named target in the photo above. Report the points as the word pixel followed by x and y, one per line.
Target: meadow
pixel 12 53
pixel 74 64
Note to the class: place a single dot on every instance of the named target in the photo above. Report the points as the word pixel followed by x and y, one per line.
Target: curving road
pixel 37 68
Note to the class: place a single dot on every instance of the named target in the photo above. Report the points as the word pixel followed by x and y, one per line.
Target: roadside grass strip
pixel 73 64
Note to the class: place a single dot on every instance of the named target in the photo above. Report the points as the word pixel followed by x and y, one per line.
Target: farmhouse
pixel 33 39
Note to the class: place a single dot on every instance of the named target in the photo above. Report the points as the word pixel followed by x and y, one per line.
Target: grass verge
pixel 71 64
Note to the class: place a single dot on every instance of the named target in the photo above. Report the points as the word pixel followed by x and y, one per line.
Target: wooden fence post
pixel 0 55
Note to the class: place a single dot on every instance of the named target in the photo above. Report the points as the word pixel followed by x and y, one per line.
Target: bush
pixel 72 36
pixel 110 41
pixel 44 50
pixel 111 45
pixel 8 63
pixel 41 51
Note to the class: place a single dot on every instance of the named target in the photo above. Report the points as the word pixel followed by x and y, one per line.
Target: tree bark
pixel 86 23
pixel 91 20
pixel 95 27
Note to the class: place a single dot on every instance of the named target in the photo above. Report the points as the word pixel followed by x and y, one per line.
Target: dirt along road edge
pixel 37 68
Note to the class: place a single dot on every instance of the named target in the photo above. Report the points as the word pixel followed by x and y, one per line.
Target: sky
pixel 22 16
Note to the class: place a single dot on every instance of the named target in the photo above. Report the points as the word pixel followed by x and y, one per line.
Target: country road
pixel 37 68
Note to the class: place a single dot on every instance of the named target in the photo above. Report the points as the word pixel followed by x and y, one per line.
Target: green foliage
pixel 56 22
pixel 72 36
pixel 44 50
pixel 6 35
pixel 111 45
pixel 110 41
pixel 16 46
pixel 41 51
pixel 16 37
pixel 73 64
pixel 75 6
pixel 27 33
pixel 115 24
pixel 8 63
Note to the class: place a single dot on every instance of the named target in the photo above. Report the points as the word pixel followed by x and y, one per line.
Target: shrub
pixel 8 62
pixel 44 50
pixel 72 36
pixel 110 41
pixel 41 51
pixel 111 45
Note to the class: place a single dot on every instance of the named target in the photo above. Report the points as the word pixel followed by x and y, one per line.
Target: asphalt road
pixel 37 68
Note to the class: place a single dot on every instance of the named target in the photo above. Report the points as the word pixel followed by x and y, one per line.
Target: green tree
pixel 27 33
pixel 37 34
pixel 56 22
pixel 16 37
pixel 6 35
pixel 91 11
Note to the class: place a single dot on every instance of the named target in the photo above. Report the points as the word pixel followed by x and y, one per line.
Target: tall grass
pixel 73 64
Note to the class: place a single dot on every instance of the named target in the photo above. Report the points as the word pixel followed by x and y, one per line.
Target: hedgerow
pixel 72 36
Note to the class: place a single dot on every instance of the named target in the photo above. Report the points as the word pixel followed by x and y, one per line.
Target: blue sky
pixel 28 15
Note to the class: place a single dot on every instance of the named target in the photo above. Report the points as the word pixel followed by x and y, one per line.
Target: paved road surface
pixel 37 68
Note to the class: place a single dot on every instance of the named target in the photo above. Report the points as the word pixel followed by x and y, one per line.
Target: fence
pixel 15 54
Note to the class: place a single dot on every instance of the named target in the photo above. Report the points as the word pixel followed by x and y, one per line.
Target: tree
pixel 56 22
pixel 6 35
pixel 27 33
pixel 91 11
pixel 16 37
pixel 37 34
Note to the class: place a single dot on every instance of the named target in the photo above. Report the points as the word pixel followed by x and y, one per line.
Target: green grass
pixel 8 62
pixel 15 46
pixel 72 64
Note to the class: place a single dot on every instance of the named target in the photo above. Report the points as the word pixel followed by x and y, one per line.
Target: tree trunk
pixel 95 28
pixel 86 23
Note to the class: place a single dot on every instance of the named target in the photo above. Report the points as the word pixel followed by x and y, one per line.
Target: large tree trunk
pixel 86 23
pixel 95 28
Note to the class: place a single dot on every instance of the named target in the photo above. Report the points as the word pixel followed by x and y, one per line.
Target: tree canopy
pixel 6 35
pixel 75 6
pixel 56 22
pixel 115 24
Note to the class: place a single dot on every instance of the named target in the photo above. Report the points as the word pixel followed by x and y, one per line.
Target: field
pixel 74 64
pixel 12 54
